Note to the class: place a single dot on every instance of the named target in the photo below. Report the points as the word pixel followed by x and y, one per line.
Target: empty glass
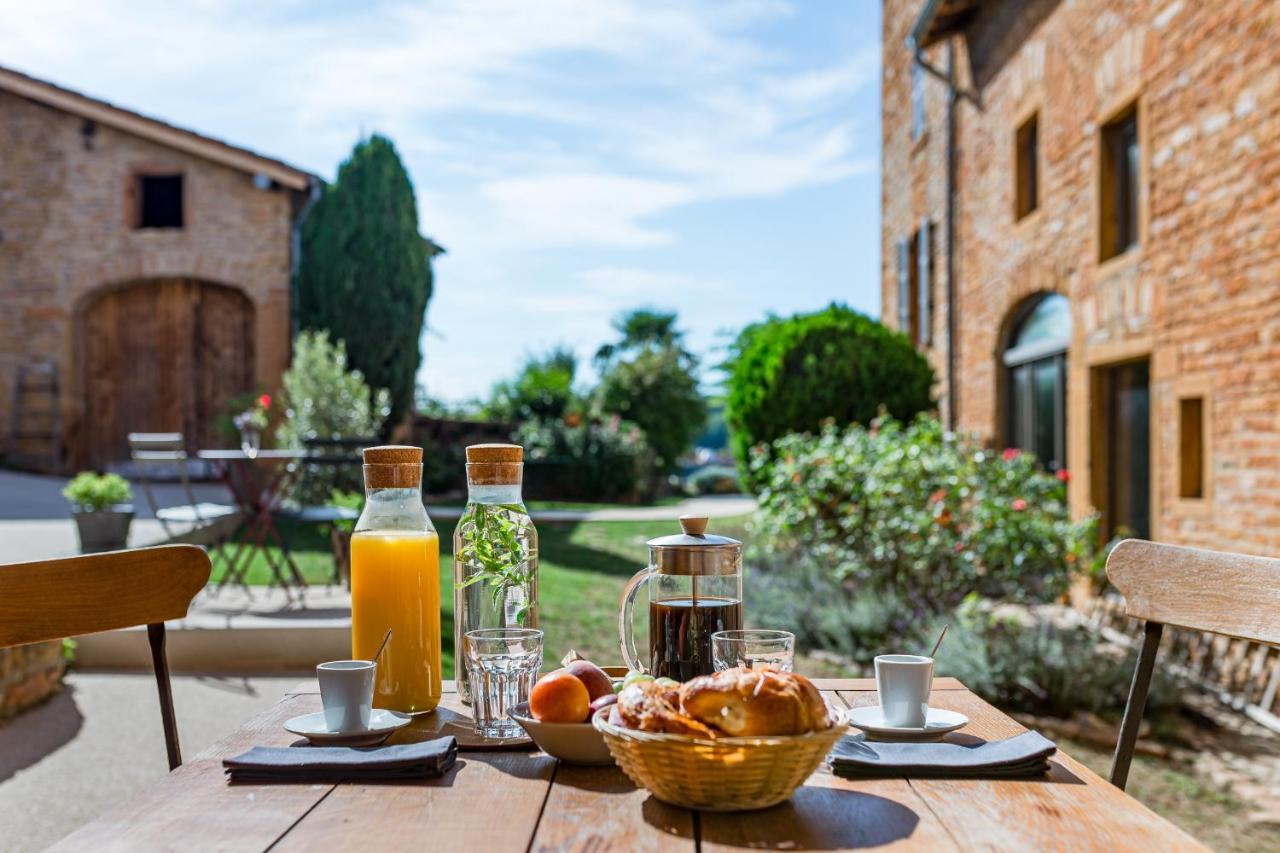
pixel 502 664
pixel 754 648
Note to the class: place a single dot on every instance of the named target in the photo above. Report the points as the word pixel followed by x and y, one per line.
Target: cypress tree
pixel 365 272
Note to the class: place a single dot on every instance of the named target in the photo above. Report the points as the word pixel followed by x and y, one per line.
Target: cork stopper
pixel 495 464
pixel 393 466
pixel 495 453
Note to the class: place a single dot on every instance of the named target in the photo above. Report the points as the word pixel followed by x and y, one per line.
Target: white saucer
pixel 381 724
pixel 937 723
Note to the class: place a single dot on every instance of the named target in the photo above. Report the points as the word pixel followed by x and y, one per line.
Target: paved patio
pixel 100 740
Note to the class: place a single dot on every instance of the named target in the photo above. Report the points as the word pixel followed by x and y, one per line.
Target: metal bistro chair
pixel 333 453
pixel 195 522
pixel 1229 594
pixel 53 599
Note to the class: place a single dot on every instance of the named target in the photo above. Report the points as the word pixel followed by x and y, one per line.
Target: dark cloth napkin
pixel 1021 757
pixel 331 763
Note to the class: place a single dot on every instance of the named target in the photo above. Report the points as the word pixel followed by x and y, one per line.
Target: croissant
pixel 755 703
pixel 652 707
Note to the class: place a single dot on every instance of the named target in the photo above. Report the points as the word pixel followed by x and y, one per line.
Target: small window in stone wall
pixel 1191 447
pixel 1027 148
pixel 160 201
pixel 1120 190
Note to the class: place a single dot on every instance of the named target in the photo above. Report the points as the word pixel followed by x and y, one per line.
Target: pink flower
pixel 1019 504
pixel 265 401
pixel 959 547
pixel 937 496
pixel 1064 475
pixel 1011 453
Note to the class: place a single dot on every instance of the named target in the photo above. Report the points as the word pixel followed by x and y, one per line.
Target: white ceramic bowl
pixel 572 743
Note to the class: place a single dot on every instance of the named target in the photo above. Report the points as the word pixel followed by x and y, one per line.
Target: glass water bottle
pixel 395 582
pixel 495 552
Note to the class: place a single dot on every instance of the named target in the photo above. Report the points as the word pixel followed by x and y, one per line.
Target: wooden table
pixel 525 800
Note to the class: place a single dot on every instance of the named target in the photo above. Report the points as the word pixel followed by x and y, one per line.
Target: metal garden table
pixel 526 800
pixel 259 483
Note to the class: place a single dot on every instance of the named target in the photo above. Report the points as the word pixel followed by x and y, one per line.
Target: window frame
pixel 918 101
pixel 1027 172
pixel 1112 157
pixel 134 197
pixel 1020 364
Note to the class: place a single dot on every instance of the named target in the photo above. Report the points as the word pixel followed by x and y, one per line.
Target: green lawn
pixel 582 572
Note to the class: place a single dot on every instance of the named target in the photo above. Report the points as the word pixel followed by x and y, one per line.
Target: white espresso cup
pixel 346 692
pixel 903 683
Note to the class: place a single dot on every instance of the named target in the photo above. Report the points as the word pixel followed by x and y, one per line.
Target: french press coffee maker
pixel 695 589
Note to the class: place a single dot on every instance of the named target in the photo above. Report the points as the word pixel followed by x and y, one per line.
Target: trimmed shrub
pixel 790 375
pixel 713 480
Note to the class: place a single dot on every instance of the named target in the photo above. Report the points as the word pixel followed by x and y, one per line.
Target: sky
pixel 576 158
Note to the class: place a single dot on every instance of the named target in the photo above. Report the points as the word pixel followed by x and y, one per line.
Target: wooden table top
pixel 526 800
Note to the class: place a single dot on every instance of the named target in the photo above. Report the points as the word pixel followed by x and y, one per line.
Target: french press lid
pixel 695 552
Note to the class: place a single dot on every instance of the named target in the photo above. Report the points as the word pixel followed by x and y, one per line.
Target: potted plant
pixel 252 422
pixel 100 505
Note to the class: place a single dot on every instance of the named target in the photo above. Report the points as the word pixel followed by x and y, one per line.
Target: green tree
pixel 789 375
pixel 543 389
pixel 365 274
pixel 650 379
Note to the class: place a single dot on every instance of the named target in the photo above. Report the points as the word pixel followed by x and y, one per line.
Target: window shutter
pixel 925 285
pixel 904 287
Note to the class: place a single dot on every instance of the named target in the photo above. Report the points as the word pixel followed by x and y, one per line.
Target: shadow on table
pixel 38 732
pixel 815 818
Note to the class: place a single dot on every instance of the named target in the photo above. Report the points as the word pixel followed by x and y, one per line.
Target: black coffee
pixel 680 634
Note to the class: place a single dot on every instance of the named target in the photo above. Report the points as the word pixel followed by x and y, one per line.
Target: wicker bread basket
pixel 723 775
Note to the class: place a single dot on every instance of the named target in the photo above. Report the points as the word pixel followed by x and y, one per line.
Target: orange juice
pixel 395 583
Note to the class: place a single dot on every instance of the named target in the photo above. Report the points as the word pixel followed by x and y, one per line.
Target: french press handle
pixel 626 625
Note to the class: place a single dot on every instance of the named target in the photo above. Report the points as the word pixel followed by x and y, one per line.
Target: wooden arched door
pixel 160 355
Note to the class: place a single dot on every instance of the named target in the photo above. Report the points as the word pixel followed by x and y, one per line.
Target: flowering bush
pixel 919 514
pixel 602 461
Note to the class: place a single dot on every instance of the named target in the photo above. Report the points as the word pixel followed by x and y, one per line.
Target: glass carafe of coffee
pixel 694 581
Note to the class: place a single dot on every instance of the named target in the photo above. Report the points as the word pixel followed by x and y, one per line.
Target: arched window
pixel 1036 361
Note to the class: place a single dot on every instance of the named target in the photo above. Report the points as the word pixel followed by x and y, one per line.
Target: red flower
pixel 1064 475
pixel 265 401
pixel 1019 504
pixel 959 547
pixel 1011 453
pixel 937 496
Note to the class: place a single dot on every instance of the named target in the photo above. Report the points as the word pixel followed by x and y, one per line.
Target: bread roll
pixel 755 703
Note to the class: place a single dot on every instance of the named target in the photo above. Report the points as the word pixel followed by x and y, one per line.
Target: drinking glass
pixel 754 648
pixel 502 664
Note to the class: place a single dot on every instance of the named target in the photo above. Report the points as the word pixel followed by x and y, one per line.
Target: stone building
pixel 1081 229
pixel 144 275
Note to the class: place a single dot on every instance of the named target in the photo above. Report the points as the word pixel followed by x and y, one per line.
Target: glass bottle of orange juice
pixel 395 582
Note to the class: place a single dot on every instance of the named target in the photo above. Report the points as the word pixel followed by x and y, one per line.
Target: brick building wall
pixel 67 235
pixel 1198 300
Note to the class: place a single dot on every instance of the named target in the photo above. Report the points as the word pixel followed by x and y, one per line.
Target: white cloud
pixel 529 127
pixel 683 94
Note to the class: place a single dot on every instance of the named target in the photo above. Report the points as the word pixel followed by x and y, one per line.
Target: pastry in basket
pixel 755 703
pixel 650 706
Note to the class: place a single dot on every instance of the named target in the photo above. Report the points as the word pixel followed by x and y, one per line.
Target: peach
pixel 592 677
pixel 560 697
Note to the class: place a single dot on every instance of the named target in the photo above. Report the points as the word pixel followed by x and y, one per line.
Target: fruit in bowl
pixel 558 713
